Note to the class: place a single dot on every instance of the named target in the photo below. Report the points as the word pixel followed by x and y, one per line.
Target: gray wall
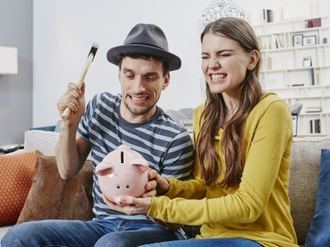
pixel 16 29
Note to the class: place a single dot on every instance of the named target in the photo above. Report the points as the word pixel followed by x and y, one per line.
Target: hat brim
pixel 113 53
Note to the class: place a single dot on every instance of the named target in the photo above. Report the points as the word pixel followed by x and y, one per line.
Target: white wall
pixel 64 31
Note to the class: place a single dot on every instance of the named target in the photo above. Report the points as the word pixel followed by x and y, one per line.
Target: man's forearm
pixel 67 155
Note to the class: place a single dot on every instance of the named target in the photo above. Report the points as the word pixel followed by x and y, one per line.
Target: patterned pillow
pixel 51 197
pixel 16 171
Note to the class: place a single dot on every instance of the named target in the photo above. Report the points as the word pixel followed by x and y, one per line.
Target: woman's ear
pixel 254 58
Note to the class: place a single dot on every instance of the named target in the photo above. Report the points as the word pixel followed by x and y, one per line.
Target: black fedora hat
pixel 146 39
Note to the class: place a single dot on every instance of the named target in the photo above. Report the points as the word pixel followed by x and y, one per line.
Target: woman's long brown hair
pixel 214 114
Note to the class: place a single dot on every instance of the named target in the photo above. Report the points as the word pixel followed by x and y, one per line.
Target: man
pixel 108 121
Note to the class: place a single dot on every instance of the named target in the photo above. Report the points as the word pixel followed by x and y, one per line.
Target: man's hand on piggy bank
pixel 130 205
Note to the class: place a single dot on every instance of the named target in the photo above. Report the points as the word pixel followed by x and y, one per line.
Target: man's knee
pixel 15 236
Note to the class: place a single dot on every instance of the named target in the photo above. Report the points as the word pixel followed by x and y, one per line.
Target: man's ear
pixel 166 81
pixel 254 58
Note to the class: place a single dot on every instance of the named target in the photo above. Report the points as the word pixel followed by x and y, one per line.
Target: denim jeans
pixel 99 233
pixel 221 242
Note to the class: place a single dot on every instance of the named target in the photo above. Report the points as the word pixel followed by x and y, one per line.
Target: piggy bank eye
pixel 127 186
pixel 118 186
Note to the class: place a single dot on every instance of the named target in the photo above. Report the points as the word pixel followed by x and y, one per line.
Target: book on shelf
pixel 277 42
pixel 316 22
pixel 297 85
pixel 310 109
pixel 315 126
pixel 268 15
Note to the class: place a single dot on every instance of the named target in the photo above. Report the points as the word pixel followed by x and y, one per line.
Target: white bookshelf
pixel 296 65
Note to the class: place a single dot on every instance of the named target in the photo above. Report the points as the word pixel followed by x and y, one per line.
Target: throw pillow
pixel 51 197
pixel 319 234
pixel 16 171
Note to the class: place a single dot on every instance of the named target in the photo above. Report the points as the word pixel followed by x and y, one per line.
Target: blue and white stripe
pixel 165 144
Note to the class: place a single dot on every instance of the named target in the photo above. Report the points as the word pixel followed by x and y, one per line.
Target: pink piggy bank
pixel 122 172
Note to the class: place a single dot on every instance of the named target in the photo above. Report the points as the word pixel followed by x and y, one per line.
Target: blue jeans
pixel 98 233
pixel 207 242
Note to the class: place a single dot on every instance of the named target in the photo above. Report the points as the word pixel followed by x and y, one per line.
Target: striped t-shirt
pixel 165 144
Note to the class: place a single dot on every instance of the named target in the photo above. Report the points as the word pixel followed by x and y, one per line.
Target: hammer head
pixel 93 50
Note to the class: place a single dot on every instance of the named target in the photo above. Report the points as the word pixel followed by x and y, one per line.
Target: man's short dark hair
pixel 166 64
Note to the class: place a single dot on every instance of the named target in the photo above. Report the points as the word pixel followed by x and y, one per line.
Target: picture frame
pixel 297 40
pixel 309 40
pixel 307 62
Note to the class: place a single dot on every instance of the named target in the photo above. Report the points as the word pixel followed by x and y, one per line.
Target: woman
pixel 243 148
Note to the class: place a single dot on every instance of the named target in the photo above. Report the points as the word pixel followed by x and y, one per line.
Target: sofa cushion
pixel 51 197
pixel 319 234
pixel 304 173
pixel 16 171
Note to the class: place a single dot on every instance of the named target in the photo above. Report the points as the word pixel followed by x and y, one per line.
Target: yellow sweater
pixel 257 209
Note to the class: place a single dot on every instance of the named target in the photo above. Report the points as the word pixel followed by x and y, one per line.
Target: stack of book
pixel 315 125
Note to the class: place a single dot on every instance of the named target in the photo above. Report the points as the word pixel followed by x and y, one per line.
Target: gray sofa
pixel 303 175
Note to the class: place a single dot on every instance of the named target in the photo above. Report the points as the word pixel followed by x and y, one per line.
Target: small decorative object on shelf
pixel 312 109
pixel 268 15
pixel 297 40
pixel 307 61
pixel 309 40
pixel 317 22
pixel 295 124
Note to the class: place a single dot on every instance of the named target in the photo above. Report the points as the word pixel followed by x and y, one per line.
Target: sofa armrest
pixel 44 141
pixel 45 128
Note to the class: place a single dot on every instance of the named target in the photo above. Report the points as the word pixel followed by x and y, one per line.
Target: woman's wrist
pixel 164 188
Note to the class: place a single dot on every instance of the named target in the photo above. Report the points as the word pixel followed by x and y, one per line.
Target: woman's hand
pixel 157 184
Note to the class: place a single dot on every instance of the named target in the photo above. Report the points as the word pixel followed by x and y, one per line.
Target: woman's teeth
pixel 218 76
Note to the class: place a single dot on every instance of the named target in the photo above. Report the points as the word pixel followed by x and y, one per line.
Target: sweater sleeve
pixel 267 146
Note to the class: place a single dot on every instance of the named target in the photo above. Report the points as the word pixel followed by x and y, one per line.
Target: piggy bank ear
pixel 104 172
pixel 140 163
pixel 104 168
